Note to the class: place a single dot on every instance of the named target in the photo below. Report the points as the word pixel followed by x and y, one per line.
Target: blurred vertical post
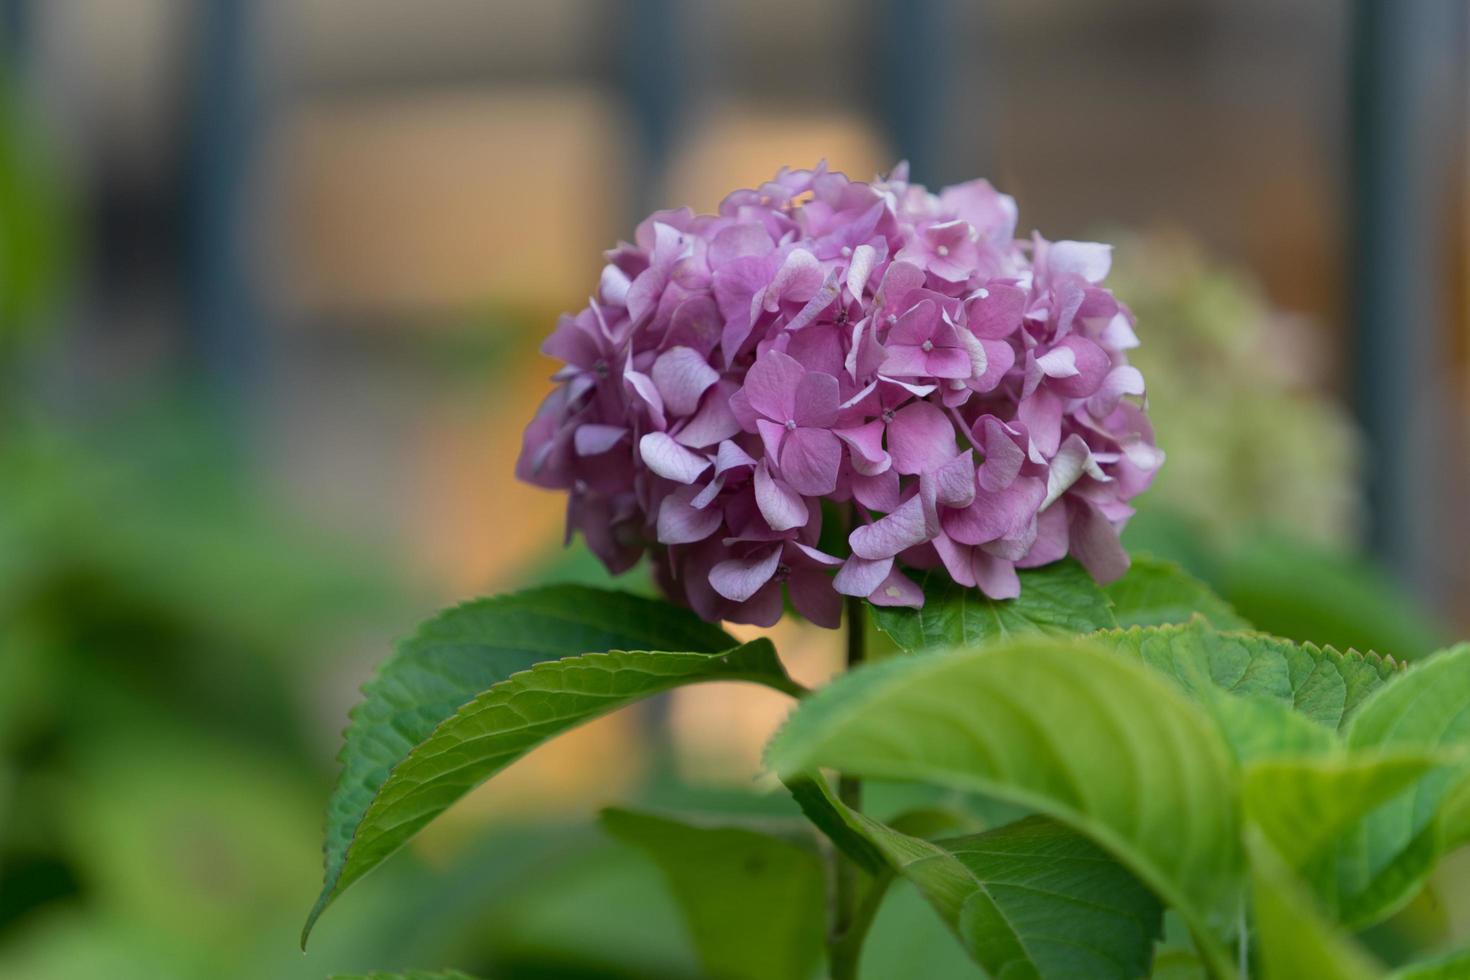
pixel 1408 103
pixel 223 313
pixel 915 45
pixel 654 75
pixel 15 22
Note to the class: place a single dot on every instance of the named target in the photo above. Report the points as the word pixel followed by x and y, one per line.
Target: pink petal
pixel 782 507
pixel 746 238
pixel 916 325
pixel 730 456
pixel 1088 260
pixel 681 523
pixel 860 576
pixel 771 384
pixel 879 492
pixel 865 445
pixel 884 538
pixel 1094 542
pixel 952 362
pixel 798 279
pixel 682 375
pixel 1122 380
pixel 1003 457
pixel 864 257
pixel 593 439
pixel 669 459
pixel 897 590
pixel 815 555
pixel 809 461
pixel 995 515
pixel 1072 460
pixel 813 596
pixel 1052 537
pixel 996 577
pixel 1090 367
pixel 817 399
pixel 714 422
pixel 737 579
pixel 904 361
pixel 920 437
pixel 994 312
pixel 1041 413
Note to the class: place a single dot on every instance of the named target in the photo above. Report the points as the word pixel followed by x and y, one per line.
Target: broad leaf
pixel 1033 899
pixel 754 903
pixel 1387 860
pixel 1156 592
pixel 1453 966
pixel 1303 805
pixel 1060 599
pixel 466 650
pixel 1318 682
pixel 1095 740
pixel 1294 939
pixel 411 975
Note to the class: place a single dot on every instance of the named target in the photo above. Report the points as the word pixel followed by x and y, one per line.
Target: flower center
pixel 943 250
pixel 791 425
pixel 600 369
pixel 783 571
pixel 846 251
pixel 927 346
pixel 982 293
pixel 887 415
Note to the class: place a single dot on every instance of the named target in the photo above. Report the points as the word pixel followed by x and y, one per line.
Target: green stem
pixel 850 916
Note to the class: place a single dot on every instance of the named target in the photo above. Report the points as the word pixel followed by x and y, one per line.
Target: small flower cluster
pixel 961 397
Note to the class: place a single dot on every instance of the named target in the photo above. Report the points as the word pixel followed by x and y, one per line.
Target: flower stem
pixel 841 945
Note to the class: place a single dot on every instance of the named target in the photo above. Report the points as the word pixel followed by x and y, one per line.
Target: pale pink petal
pixel 1094 542
pixel 817 400
pixel 1090 366
pixel 809 461
pixel 1072 461
pixel 682 375
pixel 669 459
pixel 865 445
pixel 782 507
pixel 813 596
pixel 1088 260
pixel 593 439
pixel 737 579
pixel 860 576
pixel 714 422
pixel 886 537
pixel 679 522
pixel 920 437
pixel 1042 415
pixel 879 492
pixel 994 311
pixel 771 385
pixel 994 576
pixel 897 590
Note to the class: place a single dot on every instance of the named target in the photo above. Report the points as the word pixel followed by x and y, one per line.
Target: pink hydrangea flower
pixel 963 395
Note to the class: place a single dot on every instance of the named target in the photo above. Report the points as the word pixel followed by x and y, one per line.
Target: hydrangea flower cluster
pixel 961 398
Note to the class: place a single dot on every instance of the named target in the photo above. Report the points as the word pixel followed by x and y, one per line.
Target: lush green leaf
pixel 1294 939
pixel 1318 682
pixel 1030 899
pixel 753 902
pixel 1097 741
pixel 1060 599
pixel 1391 853
pixel 1303 805
pixel 1453 966
pixel 1156 592
pixel 461 653
pixel 411 975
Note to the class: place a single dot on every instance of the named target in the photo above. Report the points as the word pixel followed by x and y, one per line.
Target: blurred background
pixel 272 279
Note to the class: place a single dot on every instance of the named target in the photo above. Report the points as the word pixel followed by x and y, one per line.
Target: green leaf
pixel 464 651
pixel 1060 599
pixel 1453 966
pixel 754 903
pixel 1032 899
pixel 411 975
pixel 1156 592
pixel 1294 939
pixel 1389 857
pixel 1097 741
pixel 1303 805
pixel 1320 683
